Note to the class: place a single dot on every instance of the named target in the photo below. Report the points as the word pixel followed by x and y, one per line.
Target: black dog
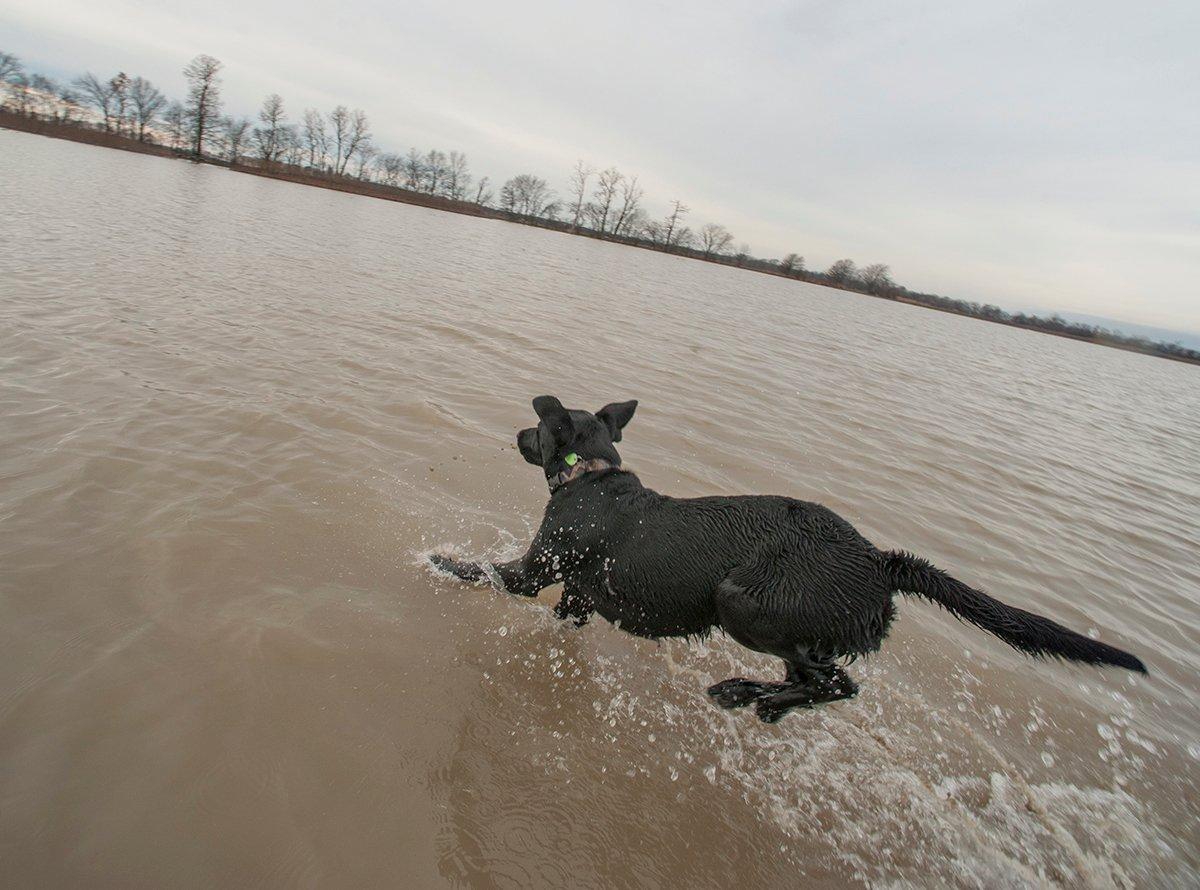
pixel 786 577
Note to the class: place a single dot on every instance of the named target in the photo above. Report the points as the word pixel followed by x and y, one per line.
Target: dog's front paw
pixel 467 571
pixel 568 608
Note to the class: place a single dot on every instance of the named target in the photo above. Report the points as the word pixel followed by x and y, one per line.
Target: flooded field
pixel 237 413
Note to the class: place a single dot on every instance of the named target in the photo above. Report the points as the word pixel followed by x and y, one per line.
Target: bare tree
pixel 350 131
pixel 508 195
pixel 43 96
pixel 204 99
pixel 339 134
pixel 457 178
pixel 175 118
pixel 20 91
pixel 365 153
pixel 842 272
pixel 877 278
pixel 672 225
pixel 316 140
pixel 483 193
pixel 434 168
pixel 10 66
pixel 68 103
pixel 606 193
pixel 12 73
pixel 414 170
pixel 236 132
pixel 269 137
pixel 360 135
pixel 743 253
pixel 97 93
pixel 293 148
pixel 631 197
pixel 147 102
pixel 390 167
pixel 791 264
pixel 635 223
pixel 714 239
pixel 579 181
pixel 528 195
pixel 120 93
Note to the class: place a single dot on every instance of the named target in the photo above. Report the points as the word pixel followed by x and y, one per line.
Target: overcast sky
pixel 1031 154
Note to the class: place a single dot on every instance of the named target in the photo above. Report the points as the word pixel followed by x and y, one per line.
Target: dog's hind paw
pixel 737 692
pixel 774 705
pixel 769 711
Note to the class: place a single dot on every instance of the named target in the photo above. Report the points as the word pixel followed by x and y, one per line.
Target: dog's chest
pixel 616 559
pixel 627 599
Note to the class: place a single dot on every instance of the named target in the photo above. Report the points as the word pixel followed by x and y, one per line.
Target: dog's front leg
pixel 521 577
pixel 465 571
pixel 574 604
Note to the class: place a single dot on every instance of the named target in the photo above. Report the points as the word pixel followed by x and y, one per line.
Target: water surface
pixel 237 412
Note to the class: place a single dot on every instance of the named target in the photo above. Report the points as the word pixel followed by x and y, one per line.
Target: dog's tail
pixel 1022 630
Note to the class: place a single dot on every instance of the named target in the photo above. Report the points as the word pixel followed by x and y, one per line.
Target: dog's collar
pixel 576 470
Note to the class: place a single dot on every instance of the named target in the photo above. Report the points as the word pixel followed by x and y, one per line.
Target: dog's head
pixel 567 438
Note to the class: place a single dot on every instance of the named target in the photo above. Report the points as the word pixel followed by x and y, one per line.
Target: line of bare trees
pixel 604 203
pixel 607 202
pixel 601 202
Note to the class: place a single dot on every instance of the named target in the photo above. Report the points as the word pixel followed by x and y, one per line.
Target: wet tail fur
pixel 1022 630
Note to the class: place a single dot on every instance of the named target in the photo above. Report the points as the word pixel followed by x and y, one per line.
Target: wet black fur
pixel 781 576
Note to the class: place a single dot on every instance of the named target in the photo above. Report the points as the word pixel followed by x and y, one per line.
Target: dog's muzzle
pixel 561 478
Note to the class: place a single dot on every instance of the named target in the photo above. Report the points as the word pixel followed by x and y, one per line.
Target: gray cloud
pixel 1029 154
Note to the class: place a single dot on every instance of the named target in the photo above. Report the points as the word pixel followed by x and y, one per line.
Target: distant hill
pixel 1165 335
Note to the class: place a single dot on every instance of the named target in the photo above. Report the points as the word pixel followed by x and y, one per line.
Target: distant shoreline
pixel 77 132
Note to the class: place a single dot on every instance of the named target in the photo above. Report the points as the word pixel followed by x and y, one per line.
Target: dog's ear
pixel 556 418
pixel 616 415
pixel 527 444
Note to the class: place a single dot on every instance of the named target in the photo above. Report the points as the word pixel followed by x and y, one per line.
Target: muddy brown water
pixel 236 413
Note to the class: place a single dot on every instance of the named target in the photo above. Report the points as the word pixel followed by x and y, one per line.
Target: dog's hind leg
pixel 817 682
pixel 739 615
pixel 776 623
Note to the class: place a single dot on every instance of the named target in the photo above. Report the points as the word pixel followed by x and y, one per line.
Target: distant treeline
pixel 338 150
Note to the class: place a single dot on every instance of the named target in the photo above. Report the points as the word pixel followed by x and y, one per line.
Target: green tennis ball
pixel 571 459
